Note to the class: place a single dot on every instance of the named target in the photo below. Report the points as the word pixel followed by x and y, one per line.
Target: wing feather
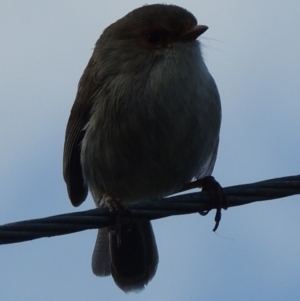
pixel 79 117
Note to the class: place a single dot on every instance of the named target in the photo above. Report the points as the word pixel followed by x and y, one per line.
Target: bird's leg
pixel 115 206
pixel 218 196
pixel 216 192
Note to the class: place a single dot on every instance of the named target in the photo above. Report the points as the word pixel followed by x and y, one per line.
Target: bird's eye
pixel 154 37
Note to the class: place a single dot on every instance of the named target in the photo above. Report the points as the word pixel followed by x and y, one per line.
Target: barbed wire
pixel 150 210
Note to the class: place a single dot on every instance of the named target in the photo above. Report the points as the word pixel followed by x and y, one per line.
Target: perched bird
pixel 145 122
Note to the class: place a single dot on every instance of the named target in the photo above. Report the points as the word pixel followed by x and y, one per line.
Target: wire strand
pixel 150 210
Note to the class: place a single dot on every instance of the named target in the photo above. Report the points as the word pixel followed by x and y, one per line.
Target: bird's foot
pixel 115 206
pixel 216 193
pixel 218 197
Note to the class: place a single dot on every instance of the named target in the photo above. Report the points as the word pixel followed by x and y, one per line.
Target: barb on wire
pixel 176 205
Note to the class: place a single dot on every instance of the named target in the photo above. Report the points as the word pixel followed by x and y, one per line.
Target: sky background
pixel 252 50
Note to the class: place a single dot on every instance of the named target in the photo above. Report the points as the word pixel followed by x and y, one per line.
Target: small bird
pixel 145 122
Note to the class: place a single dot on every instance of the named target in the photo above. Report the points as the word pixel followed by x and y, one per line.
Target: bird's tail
pixel 129 254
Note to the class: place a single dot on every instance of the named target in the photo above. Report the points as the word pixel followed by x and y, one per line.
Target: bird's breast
pixel 145 141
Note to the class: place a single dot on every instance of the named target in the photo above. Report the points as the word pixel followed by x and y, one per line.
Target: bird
pixel 145 122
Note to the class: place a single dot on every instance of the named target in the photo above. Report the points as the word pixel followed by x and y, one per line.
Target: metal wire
pixel 150 210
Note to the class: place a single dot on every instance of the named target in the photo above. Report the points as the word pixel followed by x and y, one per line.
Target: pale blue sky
pixel 252 50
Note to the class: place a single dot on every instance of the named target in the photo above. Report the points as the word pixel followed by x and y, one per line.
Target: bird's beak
pixel 194 33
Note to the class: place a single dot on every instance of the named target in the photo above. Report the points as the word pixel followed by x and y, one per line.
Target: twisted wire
pixel 150 210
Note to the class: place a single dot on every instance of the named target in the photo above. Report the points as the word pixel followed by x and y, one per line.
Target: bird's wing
pixel 79 117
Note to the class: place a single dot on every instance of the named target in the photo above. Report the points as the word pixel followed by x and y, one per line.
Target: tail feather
pixel 101 255
pixel 129 254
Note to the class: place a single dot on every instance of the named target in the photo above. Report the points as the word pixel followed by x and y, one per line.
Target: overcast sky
pixel 252 50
